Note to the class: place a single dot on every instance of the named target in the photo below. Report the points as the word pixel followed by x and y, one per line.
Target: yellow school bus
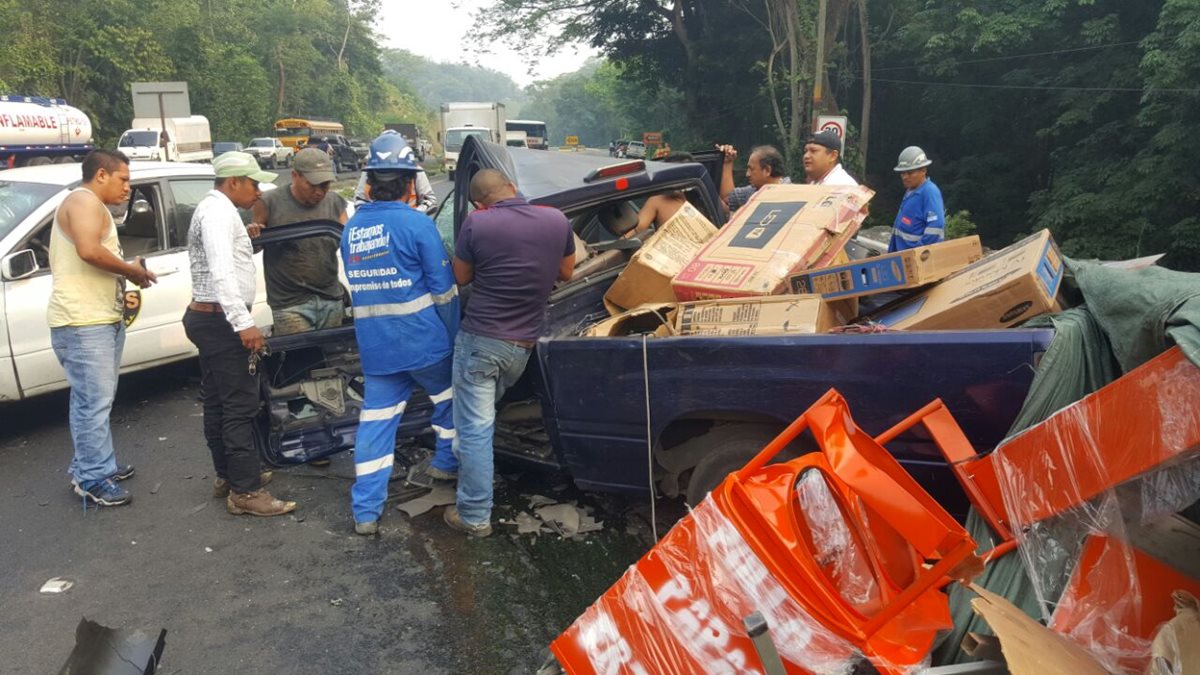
pixel 295 131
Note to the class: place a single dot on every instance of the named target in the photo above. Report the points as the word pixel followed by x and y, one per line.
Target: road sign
pixel 652 138
pixel 572 141
pixel 834 123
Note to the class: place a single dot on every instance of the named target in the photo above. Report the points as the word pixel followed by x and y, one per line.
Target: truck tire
pixel 729 447
pixel 64 159
pixel 450 175
pixel 37 161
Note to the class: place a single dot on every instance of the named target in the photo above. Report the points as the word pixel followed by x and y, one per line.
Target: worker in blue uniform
pixel 406 314
pixel 922 217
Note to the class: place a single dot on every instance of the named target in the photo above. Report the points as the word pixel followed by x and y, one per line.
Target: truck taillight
pixel 614 170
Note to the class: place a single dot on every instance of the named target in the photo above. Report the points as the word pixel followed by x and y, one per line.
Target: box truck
pixel 460 120
pixel 185 139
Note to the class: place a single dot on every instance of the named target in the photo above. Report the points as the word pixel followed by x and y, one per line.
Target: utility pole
pixel 819 79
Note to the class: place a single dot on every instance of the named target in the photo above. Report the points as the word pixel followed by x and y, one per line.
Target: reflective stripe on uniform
pixel 394 308
pixel 444 396
pixel 443 298
pixel 914 238
pixel 382 414
pixel 939 231
pixel 443 432
pixel 373 465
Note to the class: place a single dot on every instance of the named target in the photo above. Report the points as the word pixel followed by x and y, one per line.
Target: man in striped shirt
pixel 219 323
pixel 405 317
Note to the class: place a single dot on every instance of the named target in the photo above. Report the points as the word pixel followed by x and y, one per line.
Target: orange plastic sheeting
pixel 1117 598
pixel 1146 418
pixel 863 578
pixel 680 610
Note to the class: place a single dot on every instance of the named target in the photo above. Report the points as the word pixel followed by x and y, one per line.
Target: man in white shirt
pixel 219 323
pixel 823 160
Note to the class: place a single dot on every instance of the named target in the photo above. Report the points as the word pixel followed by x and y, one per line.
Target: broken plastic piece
pixel 100 650
pixel 440 495
pixel 57 585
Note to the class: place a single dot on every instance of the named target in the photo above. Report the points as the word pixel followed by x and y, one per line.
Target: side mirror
pixel 141 207
pixel 19 265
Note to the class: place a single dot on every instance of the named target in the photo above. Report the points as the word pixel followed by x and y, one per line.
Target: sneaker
pixel 259 503
pixel 103 492
pixel 221 486
pixel 124 471
pixel 367 528
pixel 441 474
pixel 455 521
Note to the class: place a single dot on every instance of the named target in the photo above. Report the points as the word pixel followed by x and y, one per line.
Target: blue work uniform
pixel 921 220
pixel 406 315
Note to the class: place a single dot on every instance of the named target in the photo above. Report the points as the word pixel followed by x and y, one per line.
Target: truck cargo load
pixel 1000 290
pixel 783 230
pixel 35 130
pixel 899 271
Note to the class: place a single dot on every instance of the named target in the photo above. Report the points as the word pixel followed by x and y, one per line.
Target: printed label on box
pixel 765 223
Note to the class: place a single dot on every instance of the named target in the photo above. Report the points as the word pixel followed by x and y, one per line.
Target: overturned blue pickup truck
pixel 713 401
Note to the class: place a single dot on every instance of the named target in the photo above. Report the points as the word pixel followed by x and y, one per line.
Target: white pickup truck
pixel 162 199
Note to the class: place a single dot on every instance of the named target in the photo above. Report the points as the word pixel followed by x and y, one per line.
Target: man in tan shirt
pixel 85 314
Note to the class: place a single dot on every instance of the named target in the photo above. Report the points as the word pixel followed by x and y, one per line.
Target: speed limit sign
pixel 834 123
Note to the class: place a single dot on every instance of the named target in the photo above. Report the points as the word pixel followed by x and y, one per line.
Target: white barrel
pixel 40 121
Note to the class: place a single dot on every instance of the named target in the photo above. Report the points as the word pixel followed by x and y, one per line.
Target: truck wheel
pixel 450 174
pixel 65 159
pixel 729 447
pixel 38 161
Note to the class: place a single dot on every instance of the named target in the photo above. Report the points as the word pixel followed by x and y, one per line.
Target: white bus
pixel 535 132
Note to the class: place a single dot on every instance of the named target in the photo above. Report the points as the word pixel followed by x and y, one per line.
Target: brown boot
pixel 259 503
pixel 221 486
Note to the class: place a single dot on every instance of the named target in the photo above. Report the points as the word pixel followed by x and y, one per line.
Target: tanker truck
pixel 35 130
pixel 186 139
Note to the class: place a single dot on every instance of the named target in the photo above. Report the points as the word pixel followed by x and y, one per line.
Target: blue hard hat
pixel 390 152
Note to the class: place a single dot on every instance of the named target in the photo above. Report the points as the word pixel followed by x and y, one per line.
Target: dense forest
pixel 1077 115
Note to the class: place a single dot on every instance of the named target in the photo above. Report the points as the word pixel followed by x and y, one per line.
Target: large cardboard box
pixel 647 277
pixel 654 318
pixel 1000 290
pixel 783 230
pixel 913 268
pixel 770 315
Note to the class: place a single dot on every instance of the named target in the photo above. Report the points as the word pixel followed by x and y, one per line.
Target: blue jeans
pixel 91 357
pixel 483 369
pixel 311 314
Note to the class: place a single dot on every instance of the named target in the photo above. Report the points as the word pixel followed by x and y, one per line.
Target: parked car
pixel 362 149
pixel 345 157
pixel 635 150
pixel 270 152
pixel 162 198
pixel 581 404
pixel 221 147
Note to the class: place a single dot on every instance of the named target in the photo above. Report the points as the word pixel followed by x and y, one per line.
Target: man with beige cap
pixel 303 289
pixel 219 323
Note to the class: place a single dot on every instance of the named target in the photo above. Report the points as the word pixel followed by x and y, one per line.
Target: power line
pixel 1020 56
pixel 1033 87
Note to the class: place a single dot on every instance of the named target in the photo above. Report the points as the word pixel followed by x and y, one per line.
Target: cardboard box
pixel 913 268
pixel 647 277
pixel 998 291
pixel 770 315
pixel 649 318
pixel 783 230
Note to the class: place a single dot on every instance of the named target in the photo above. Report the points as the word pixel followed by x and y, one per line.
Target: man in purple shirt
pixel 512 253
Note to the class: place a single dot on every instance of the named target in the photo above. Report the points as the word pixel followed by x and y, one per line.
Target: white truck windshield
pixel 133 139
pixel 456 137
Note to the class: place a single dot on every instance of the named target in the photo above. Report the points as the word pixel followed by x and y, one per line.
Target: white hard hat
pixel 912 158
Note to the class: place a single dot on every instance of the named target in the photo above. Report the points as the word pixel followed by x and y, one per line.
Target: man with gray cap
pixel 823 160
pixel 219 323
pixel 922 217
pixel 303 289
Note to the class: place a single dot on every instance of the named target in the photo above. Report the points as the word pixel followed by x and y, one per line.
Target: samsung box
pixel 783 230
pixel 770 315
pixel 900 271
pixel 647 277
pixel 1000 290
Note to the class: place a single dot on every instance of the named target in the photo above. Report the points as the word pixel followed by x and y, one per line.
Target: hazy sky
pixel 440 30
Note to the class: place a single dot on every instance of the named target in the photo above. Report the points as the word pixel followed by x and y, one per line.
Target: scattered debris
pixel 197 509
pixel 440 495
pixel 539 500
pixel 100 650
pixel 337 602
pixel 208 549
pixel 567 520
pixel 57 585
pixel 162 438
pixel 154 490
